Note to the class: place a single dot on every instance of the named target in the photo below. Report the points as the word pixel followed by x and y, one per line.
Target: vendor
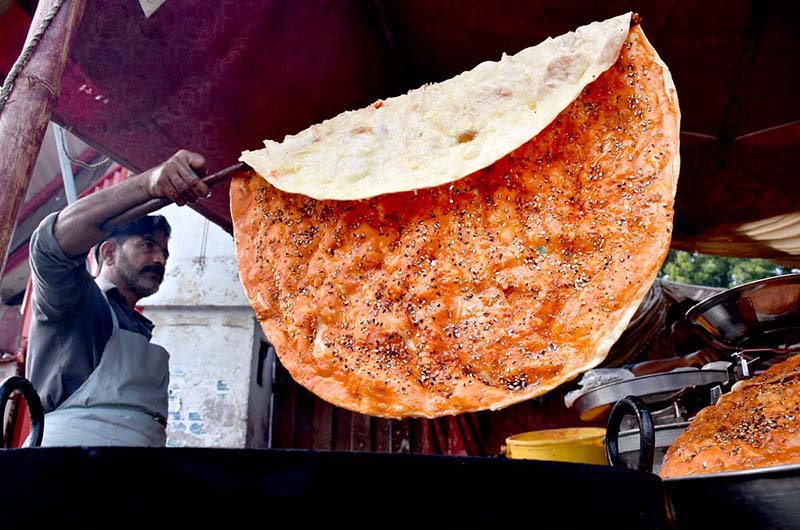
pixel 100 379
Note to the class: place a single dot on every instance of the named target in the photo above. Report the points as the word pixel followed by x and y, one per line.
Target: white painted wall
pixel 203 319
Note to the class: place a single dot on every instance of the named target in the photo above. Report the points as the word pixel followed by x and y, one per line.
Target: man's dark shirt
pixel 71 321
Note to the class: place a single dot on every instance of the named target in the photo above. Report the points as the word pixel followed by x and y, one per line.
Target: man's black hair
pixel 147 225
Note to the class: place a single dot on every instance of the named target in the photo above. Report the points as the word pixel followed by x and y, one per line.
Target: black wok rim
pixel 756 472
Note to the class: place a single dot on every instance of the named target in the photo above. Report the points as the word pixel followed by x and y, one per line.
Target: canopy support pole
pixel 65 164
pixel 26 112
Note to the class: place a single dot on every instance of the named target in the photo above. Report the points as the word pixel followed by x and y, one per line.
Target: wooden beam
pixel 24 118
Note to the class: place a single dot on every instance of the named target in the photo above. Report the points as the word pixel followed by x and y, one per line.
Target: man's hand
pixel 177 178
pixel 81 224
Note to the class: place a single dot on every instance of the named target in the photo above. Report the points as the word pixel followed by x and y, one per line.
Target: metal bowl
pixel 764 314
pixel 754 498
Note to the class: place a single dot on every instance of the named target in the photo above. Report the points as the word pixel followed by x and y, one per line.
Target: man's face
pixel 140 262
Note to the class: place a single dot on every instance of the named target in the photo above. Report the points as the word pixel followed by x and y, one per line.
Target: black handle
pixel 24 387
pixel 647 434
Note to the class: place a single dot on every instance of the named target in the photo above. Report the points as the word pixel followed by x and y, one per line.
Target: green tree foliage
pixel 717 271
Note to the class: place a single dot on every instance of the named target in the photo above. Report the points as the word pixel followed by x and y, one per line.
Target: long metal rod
pixel 66 166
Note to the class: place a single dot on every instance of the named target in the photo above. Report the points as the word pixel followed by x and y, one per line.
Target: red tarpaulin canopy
pixel 219 77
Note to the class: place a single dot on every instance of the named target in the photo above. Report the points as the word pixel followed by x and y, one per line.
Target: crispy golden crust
pixel 483 292
pixel 755 425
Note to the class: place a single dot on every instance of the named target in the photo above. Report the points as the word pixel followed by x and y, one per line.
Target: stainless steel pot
pixel 760 317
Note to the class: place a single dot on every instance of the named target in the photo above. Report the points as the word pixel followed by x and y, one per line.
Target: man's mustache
pixel 158 269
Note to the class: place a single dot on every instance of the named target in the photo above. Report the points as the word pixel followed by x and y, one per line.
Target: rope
pixel 22 60
pixel 204 244
pixel 103 161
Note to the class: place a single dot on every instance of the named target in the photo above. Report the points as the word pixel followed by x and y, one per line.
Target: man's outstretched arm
pixel 79 225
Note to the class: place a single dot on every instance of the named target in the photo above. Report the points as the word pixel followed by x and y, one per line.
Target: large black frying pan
pixel 758 499
pixel 757 321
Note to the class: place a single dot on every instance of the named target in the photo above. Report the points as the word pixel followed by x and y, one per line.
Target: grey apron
pixel 123 402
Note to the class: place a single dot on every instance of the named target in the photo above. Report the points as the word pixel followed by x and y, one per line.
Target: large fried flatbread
pixel 486 290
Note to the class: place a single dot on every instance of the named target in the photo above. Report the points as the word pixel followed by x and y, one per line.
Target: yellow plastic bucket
pixel 575 444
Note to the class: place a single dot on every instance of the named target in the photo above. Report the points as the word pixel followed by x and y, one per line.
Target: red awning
pixel 219 77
